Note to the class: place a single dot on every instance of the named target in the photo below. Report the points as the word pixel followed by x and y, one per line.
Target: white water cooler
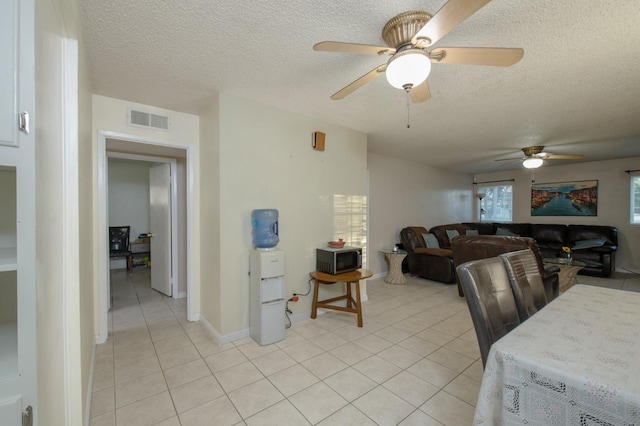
pixel 267 296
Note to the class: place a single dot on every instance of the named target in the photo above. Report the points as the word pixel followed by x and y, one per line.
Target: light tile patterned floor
pixel 415 362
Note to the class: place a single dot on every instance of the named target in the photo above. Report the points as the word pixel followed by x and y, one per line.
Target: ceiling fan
pixel 534 157
pixel 409 36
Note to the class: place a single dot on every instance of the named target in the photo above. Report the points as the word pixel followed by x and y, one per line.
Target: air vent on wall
pixel 147 119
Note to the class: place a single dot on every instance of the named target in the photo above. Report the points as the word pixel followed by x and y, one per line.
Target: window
pixel 350 221
pixel 635 199
pixel 497 204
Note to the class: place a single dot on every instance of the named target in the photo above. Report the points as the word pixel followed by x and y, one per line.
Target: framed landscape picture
pixel 578 198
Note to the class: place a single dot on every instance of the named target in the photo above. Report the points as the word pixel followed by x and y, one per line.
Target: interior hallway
pixel 415 362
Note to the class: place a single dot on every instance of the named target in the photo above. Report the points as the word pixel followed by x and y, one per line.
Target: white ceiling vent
pixel 147 119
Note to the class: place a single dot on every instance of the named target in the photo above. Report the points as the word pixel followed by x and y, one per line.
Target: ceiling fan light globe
pixel 532 163
pixel 408 68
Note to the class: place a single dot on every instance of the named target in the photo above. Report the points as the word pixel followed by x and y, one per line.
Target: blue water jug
pixel 265 228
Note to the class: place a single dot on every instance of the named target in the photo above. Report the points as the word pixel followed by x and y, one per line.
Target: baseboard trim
pixel 378 275
pixel 87 404
pixel 221 339
pixel 98 340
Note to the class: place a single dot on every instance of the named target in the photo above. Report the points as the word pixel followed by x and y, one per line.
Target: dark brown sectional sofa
pixel 437 263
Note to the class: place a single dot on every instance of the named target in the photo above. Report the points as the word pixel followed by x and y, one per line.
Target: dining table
pixel 574 362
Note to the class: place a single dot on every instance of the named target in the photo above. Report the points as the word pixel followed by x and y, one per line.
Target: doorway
pixel 111 144
pixel 143 194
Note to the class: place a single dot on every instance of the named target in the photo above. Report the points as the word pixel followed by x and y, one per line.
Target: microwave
pixel 338 260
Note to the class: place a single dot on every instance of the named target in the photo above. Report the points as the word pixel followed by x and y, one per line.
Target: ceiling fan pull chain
pixel 408 109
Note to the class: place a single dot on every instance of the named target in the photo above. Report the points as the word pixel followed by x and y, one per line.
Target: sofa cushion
pixel 435 252
pixel 549 235
pixel 505 232
pixel 484 228
pixel 473 232
pixel 452 233
pixel 441 233
pixel 588 232
pixel 519 229
pixel 430 241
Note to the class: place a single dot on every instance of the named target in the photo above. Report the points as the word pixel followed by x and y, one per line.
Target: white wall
pixel 210 249
pixel 128 199
pixel 613 199
pixel 86 239
pixel 64 306
pixel 404 193
pixel 129 195
pixel 266 161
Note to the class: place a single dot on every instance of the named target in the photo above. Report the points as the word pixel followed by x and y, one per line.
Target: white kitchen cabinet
pixel 17 213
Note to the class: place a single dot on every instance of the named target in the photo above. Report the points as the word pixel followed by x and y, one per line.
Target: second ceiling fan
pixel 409 36
pixel 535 156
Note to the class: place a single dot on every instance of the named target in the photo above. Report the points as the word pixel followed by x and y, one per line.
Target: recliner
pixel 490 300
pixel 430 263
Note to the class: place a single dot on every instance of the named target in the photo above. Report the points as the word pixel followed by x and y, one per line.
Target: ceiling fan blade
pixel 359 82
pixel 491 56
pixel 447 18
pixel 421 93
pixel 509 159
pixel 563 157
pixel 339 46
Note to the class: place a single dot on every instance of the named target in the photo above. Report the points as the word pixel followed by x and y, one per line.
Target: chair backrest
pixel 526 282
pixel 472 247
pixel 490 300
pixel 119 239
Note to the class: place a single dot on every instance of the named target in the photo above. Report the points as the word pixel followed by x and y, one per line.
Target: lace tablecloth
pixel 575 362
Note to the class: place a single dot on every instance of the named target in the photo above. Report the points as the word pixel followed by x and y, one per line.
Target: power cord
pixel 288 311
pixel 308 291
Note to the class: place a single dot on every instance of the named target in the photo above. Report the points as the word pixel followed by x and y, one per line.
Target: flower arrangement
pixel 567 250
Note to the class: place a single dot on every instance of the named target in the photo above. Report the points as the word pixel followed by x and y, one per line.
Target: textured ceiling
pixel 576 90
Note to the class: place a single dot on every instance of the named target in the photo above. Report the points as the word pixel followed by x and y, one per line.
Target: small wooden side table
pixel 353 306
pixel 395 258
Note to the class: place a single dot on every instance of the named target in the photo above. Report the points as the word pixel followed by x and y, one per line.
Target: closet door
pixel 17 214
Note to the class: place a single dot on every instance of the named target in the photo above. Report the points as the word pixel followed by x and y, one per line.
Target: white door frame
pixel 103 254
pixel 175 272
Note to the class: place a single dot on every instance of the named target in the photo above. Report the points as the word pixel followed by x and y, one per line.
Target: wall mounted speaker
pixel 317 141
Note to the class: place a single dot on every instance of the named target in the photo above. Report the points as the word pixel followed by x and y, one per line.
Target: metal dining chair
pixel 490 299
pixel 526 282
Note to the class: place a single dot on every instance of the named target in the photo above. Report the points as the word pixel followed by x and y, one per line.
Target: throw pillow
pixel 473 232
pixel 431 241
pixel 451 233
pixel 503 231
